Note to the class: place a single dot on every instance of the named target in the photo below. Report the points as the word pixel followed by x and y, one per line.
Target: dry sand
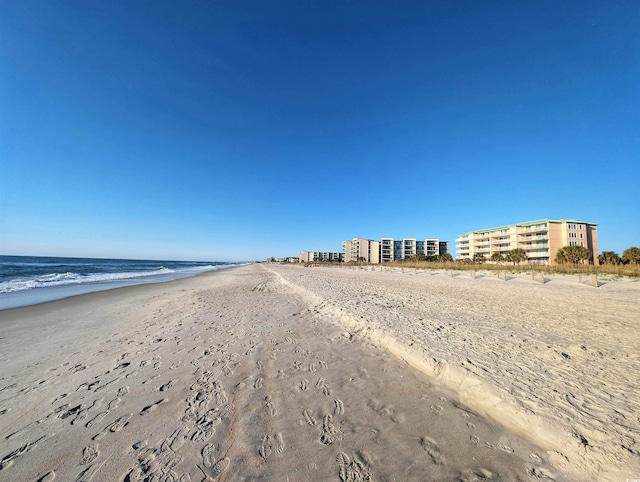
pixel 291 373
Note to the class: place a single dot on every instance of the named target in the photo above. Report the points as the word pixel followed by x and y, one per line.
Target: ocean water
pixel 28 280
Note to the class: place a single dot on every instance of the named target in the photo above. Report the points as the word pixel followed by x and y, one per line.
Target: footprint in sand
pixel 328 430
pixel 151 379
pixel 477 475
pixel 207 455
pixel 279 443
pixel 540 473
pixel 97 419
pixel 320 384
pixel 114 427
pixel 308 416
pixel 352 470
pixel 304 384
pixel 265 447
pixel 258 383
pixel 432 449
pixel 89 454
pixel 48 477
pixel 271 409
pixel 120 423
pixel 339 407
pixel 437 408
pixel 152 407
pixel 166 386
pixel 221 399
pixel 8 459
pixel 220 466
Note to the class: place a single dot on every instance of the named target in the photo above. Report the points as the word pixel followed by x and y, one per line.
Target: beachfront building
pixel 311 256
pixel 540 239
pixel 393 249
pixel 360 249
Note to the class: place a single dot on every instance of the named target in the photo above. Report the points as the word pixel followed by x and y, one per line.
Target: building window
pixel 573 243
pixel 573 235
pixel 581 235
pixel 581 227
pixel 571 226
pixel 582 243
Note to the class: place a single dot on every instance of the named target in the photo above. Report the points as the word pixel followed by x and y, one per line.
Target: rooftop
pixel 529 223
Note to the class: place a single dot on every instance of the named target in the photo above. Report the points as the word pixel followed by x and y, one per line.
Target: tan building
pixel 540 239
pixel 311 256
pixel 359 248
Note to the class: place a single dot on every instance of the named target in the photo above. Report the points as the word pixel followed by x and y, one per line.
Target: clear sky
pixel 240 130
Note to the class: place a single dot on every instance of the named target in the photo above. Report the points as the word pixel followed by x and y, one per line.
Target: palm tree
pixel 631 255
pixel 609 257
pixel 573 254
pixel 516 256
pixel 479 258
pixel 497 257
pixel 445 258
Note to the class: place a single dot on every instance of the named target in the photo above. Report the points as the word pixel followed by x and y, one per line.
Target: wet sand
pixel 291 373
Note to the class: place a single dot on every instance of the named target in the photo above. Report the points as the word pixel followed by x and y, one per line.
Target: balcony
pixel 533 245
pixel 533 229
pixel 535 254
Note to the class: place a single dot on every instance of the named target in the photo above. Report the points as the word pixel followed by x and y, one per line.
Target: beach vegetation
pixel 573 255
pixel 631 255
pixel 497 257
pixel 479 258
pixel 613 271
pixel 609 257
pixel 464 261
pixel 445 258
pixel 516 256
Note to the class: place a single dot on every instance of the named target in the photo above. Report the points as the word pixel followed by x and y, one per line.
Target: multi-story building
pixel 393 249
pixel 310 256
pixel 541 239
pixel 360 248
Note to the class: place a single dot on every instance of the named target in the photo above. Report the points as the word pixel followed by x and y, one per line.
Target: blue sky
pixel 241 130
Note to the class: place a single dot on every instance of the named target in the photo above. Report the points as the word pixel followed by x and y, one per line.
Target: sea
pixel 29 280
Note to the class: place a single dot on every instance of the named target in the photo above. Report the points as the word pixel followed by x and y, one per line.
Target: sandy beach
pixel 287 373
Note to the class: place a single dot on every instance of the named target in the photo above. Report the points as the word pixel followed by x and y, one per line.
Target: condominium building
pixel 360 248
pixel 541 239
pixel 311 256
pixel 393 249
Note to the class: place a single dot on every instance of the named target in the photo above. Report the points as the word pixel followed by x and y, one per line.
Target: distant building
pixel 390 249
pixel 394 249
pixel 311 256
pixel 540 239
pixel 360 248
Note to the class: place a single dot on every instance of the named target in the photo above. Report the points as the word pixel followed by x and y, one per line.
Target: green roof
pixel 529 223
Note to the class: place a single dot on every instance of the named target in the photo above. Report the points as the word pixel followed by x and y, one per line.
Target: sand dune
pixel 290 373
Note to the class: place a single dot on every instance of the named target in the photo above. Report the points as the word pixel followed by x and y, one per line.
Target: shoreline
pixel 279 371
pixel 36 296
